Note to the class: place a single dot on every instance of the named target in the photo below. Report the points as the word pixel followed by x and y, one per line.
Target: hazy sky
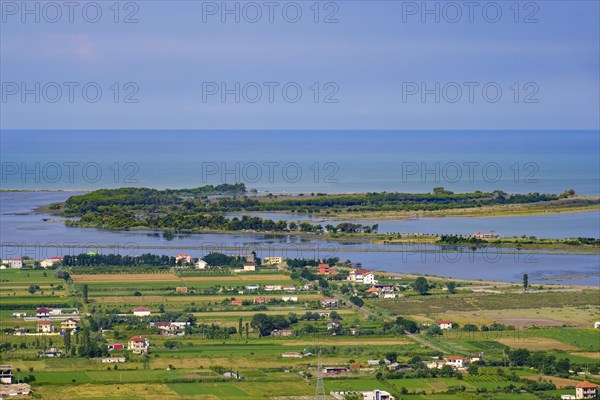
pixel 358 65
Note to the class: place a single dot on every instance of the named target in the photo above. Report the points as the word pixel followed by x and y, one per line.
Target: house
pixel 249 267
pixel 252 287
pixel 372 291
pixel 181 289
pixel 329 302
pixel 435 364
pixel 16 263
pixel 362 276
pixel 586 390
pixel 289 288
pixel 165 328
pixel 476 358
pixel 292 354
pixel 597 324
pixel 110 360
pixel 259 300
pixel 201 264
pixel 289 298
pixel 142 311
pixel 138 345
pixel 377 395
pixel 115 346
pixel 45 327
pixel 353 331
pixel 273 260
pixel 14 390
pixel 456 362
pixel 389 295
pixel 69 324
pixel 6 374
pixel 385 287
pixel 43 312
pixel 272 288
pixel 49 262
pixel 335 370
pixel 333 325
pixel 237 303
pixel 51 353
pixel 183 259
pixel 486 235
pixel 444 324
pixel 282 332
pixel 323 269
pixel 372 362
pixel 19 314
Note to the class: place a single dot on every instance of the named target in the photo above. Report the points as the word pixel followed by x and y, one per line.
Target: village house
pixel 372 291
pixel 444 324
pixel 597 324
pixel 273 260
pixel 165 328
pixel 353 331
pixel 183 259
pixel 111 360
pixel 289 298
pixel 69 324
pixel 435 364
pixel 282 332
pixel 43 312
pixel 51 353
pixel 456 362
pixel 259 300
pixel 388 295
pixel 115 346
pixel 6 374
pixel 385 287
pixel 138 345
pixel 45 327
pixel 334 370
pixel 16 263
pixel 237 303
pixel 249 267
pixel 362 276
pixel 329 302
pixel 486 235
pixel 377 395
pixel 289 288
pixel 142 311
pixel 272 288
pixel 586 390
pixel 49 262
pixel 19 314
pixel 476 358
pixel 323 269
pixel 333 325
pixel 252 287
pixel 201 264
pixel 181 289
pixel 292 354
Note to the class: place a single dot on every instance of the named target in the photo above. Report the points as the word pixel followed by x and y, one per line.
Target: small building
pixel 201 264
pixel 259 300
pixel 389 295
pixel 323 269
pixel 49 262
pixel 237 303
pixel 272 288
pixel 377 395
pixel 456 362
pixel 115 346
pixel 19 314
pixel 142 311
pixel 183 259
pixel 353 331
pixel 329 302
pixel 476 358
pixel 69 324
pixel 16 263
pixel 14 390
pixel 373 291
pixel 292 354
pixel 181 289
pixel 111 360
pixel 586 390
pixel 273 260
pixel 335 370
pixel 597 324
pixel 138 345
pixel 165 328
pixel 486 235
pixel 281 332
pixel 45 327
pixel 362 276
pixel 6 374
pixel 252 287
pixel 289 298
pixel 43 312
pixel 51 353
pixel 444 324
pixel 289 288
pixel 333 325
pixel 249 267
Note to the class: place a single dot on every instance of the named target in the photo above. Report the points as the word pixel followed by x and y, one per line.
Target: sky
pixel 480 65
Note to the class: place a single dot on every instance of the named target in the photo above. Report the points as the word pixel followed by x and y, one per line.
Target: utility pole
pixel 320 392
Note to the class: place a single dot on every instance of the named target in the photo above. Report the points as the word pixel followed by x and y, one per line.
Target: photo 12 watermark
pixel 470 12
pixel 470 92
pixel 270 92
pixel 270 12
pixel 270 172
pixel 69 92
pixel 69 12
pixel 469 172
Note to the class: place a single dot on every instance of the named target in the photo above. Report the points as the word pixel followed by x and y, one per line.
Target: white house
pixel 444 324
pixel 138 345
pixel 597 324
pixel 273 260
pixel 249 267
pixel 289 298
pixel 456 362
pixel 362 276
pixel 586 390
pixel 201 264
pixel 16 263
pixel 111 360
pixel 49 262
pixel 141 311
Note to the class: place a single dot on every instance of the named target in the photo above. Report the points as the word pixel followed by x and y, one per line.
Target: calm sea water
pixel 24 233
pixel 304 161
